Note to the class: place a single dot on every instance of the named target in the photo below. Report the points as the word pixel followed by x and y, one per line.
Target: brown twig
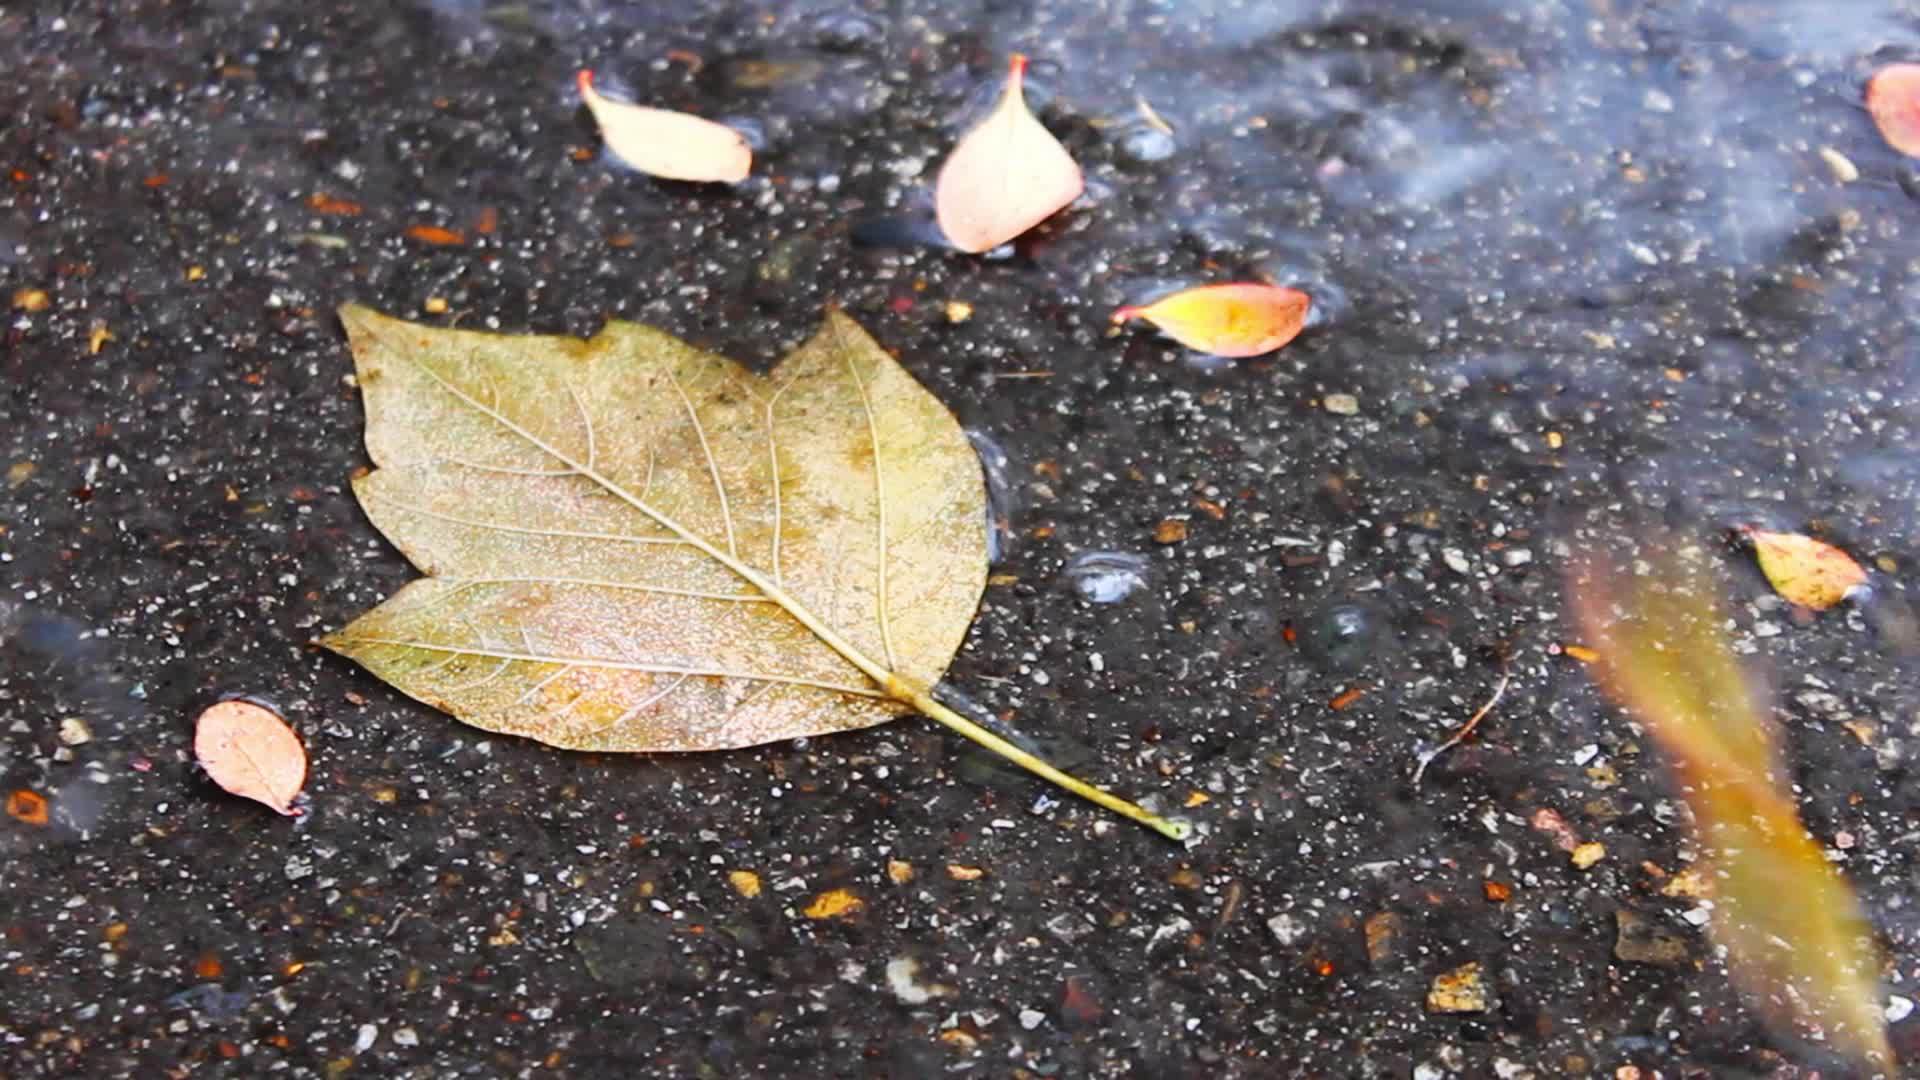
pixel 1458 737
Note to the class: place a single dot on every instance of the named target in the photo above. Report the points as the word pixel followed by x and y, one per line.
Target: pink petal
pixel 1006 175
pixel 251 752
pixel 661 142
pixel 1893 97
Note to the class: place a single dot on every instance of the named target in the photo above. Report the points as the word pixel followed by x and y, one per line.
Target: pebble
pixel 1462 990
pixel 1287 929
pixel 903 979
pixel 406 1036
pixel 1589 853
pixel 364 1038
pixel 1898 1008
pixel 1843 170
pixel 74 731
pixel 1341 404
pixel 1638 940
pixel 1456 560
pixel 1031 1018
pixel 1384 932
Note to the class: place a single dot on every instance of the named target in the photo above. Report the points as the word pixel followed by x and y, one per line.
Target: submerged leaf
pixel 1006 175
pixel 631 544
pixel 1797 941
pixel 1893 97
pixel 1237 320
pixel 251 752
pixel 606 525
pixel 661 142
pixel 1805 571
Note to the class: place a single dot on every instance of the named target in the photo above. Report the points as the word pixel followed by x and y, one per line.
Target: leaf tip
pixel 1017 68
pixel 1122 314
pixel 584 80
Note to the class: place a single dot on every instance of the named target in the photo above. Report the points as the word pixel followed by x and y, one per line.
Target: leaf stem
pixel 1171 828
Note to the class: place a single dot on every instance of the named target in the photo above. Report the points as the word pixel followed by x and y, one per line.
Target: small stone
pixel 1638 940
pixel 903 978
pixel 406 1036
pixel 364 1038
pixel 1384 931
pixel 744 882
pixel 1898 1008
pixel 31 300
pixel 964 873
pixel 1287 929
pixel 1589 853
pixel 434 305
pixel 899 872
pixel 1689 883
pixel 1170 531
pixel 1341 404
pixel 74 731
pixel 1031 1018
pixel 1462 990
pixel 959 311
pixel 834 904
pixel 1456 560
pixel 1844 171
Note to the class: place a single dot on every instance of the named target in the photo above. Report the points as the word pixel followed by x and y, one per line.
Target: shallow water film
pixel 1574 266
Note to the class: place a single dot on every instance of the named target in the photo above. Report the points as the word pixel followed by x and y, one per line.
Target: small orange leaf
pixel 1241 319
pixel 661 142
pixel 1805 571
pixel 1005 175
pixel 1893 97
pixel 251 752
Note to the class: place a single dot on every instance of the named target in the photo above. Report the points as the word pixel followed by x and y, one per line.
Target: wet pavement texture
pixel 1577 263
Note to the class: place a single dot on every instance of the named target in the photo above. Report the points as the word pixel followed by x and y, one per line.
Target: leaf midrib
pixel 890 683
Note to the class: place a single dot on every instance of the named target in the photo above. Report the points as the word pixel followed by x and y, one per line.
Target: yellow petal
pixel 1805 571
pixel 1242 319
pixel 1006 175
pixel 661 142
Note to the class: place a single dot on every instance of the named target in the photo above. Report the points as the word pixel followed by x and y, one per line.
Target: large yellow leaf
pixel 631 544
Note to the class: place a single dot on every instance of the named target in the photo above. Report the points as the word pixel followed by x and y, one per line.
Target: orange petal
pixel 661 142
pixel 252 753
pixel 1805 571
pixel 1242 319
pixel 1893 97
pixel 1006 175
